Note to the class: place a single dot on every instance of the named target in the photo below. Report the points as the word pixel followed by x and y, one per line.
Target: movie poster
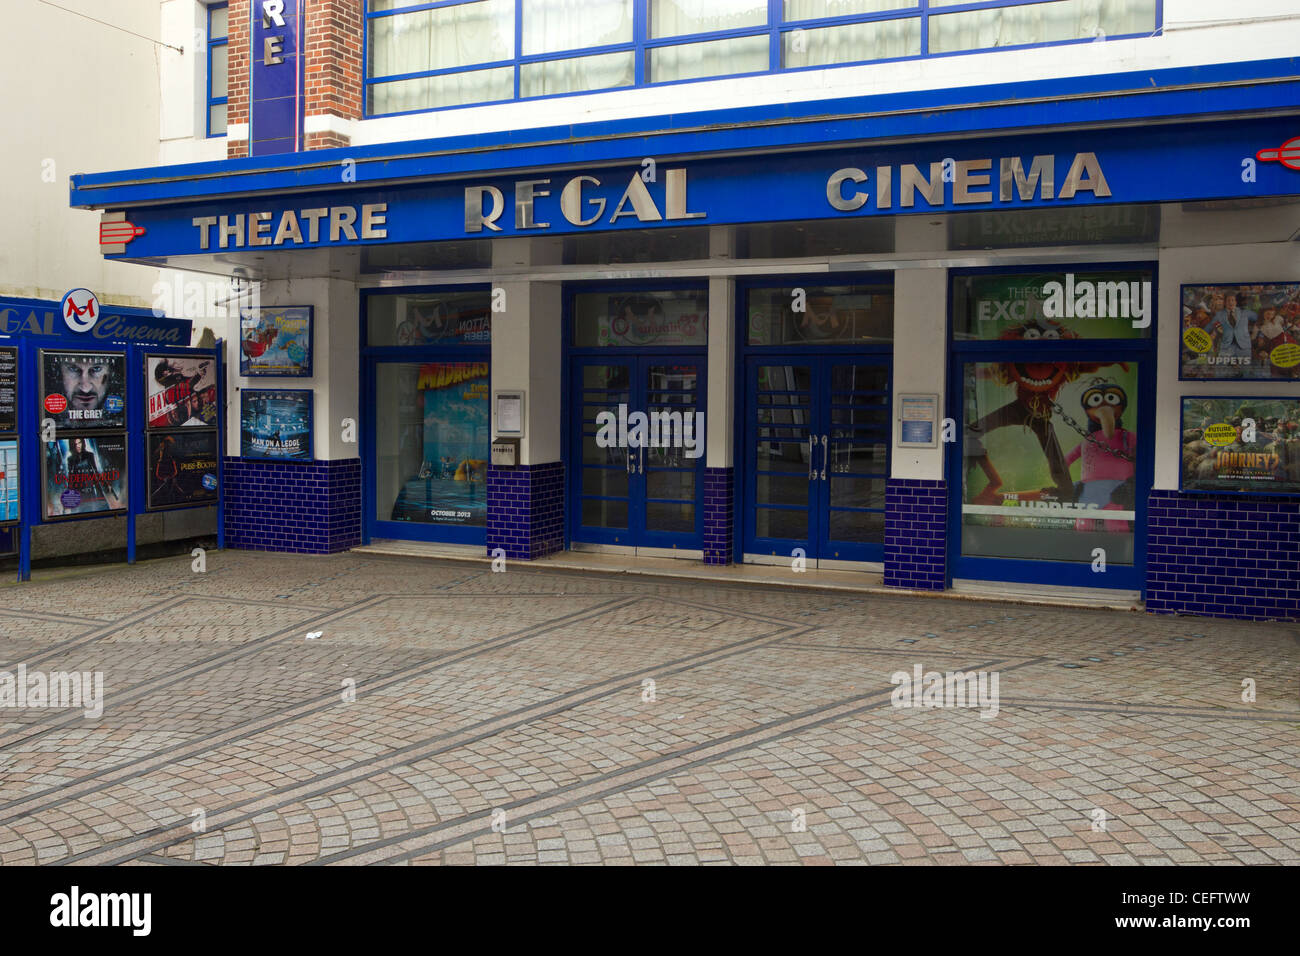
pixel 1241 445
pixel 450 485
pixel 182 468
pixel 1050 454
pixel 181 391
pixel 275 341
pixel 821 315
pixel 8 390
pixel 9 481
pixel 1053 306
pixel 84 390
pixel 84 475
pixel 1248 331
pixel 276 424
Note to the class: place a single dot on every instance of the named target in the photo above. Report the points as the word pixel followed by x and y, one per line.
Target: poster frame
pixel 125 510
pixel 160 434
pixel 1182 422
pixel 246 393
pixel 1182 366
pixel 304 370
pixel 43 391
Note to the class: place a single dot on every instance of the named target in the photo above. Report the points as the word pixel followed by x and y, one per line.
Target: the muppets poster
pixel 1249 331
pixel 450 486
pixel 1241 445
pixel 1050 444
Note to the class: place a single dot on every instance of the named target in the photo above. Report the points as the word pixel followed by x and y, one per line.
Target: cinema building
pixel 943 293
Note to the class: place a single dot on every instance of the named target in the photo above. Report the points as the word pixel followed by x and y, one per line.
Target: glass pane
pixel 218 22
pixel 605 482
pixel 434 92
pixel 604 514
pixel 829 315
pixel 1039 23
pixel 788 456
pixel 815 9
pixel 774 523
pixel 375 6
pixel 675 18
pixel 1040 307
pixel 848 491
pixel 612 456
pixel 217 120
pixel 882 40
pixel 220 72
pixel 615 378
pixel 554 77
pixel 444 318
pixel 672 485
pixel 1048 446
pixel 432 443
pixel 554 25
pixel 666 318
pixel 859 527
pixel 783 489
pixel 442 38
pixel 670 517
pixel 690 61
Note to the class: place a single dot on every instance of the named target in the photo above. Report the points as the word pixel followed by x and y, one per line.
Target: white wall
pixel 182 129
pixel 79 97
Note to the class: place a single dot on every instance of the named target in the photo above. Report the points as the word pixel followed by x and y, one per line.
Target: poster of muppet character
pixel 1241 445
pixel 1050 443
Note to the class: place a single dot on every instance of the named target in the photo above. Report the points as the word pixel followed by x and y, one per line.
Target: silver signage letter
pixel 525 191
pixel 571 201
pixel 1085 175
pixel 474 218
pixel 835 189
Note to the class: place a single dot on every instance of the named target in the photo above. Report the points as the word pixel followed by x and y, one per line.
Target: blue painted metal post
pixel 221 444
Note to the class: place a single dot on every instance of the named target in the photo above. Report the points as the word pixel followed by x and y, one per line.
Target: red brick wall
pixel 237 107
pixel 332 72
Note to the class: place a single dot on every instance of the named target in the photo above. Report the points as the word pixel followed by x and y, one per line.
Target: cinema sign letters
pixel 970 181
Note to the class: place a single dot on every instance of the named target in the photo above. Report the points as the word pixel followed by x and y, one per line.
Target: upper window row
pixel 425 55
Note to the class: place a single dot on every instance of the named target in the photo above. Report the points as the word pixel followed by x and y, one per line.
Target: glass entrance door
pixel 638 425
pixel 817 457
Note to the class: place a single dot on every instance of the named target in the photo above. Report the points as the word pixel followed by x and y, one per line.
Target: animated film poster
pixel 275 341
pixel 450 486
pixel 181 391
pixel 84 390
pixel 276 424
pixel 85 475
pixel 182 468
pixel 1050 459
pixel 1241 445
pixel 1249 331
pixel 9 481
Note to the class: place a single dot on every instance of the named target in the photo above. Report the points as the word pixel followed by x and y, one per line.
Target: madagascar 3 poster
pixel 450 485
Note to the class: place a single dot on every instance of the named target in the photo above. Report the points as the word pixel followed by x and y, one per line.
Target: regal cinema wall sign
pixel 576 207
pixel 971 182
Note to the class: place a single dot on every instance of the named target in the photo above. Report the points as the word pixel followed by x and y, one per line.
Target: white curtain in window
pixel 1039 23
pixel 451 89
pixel 555 25
pixel 878 40
pixel 443 38
pixel 600 72
pixel 689 61
pixel 671 18
pixel 814 9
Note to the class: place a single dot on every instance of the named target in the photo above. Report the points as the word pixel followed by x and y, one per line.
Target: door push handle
pixel 812 461
pixel 825 453
pixel 641 458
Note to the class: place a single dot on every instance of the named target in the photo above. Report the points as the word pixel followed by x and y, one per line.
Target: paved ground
pixel 506 718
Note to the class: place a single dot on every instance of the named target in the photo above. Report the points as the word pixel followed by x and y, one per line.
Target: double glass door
pixel 638 427
pixel 817 456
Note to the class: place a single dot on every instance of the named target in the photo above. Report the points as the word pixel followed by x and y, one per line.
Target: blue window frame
pixel 443 54
pixel 218 68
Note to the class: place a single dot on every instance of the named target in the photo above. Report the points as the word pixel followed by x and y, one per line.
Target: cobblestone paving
pixel 547 717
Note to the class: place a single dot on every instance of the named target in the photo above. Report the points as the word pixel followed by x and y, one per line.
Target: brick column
pixel 526 510
pixel 916 534
pixel 719 514
pixel 238 88
pixel 333 78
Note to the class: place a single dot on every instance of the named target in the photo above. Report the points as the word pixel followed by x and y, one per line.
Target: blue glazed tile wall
pixel 916 534
pixel 310 508
pixel 719 514
pixel 1235 557
pixel 526 510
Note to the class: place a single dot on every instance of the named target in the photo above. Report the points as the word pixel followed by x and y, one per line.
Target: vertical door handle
pixel 642 460
pixel 812 464
pixel 825 453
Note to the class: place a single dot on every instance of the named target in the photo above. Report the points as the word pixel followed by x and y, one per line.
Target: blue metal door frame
pixel 372 360
pixel 819 359
pixel 639 360
pixel 1141 352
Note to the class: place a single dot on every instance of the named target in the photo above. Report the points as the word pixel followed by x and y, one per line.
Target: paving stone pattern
pixel 539 716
